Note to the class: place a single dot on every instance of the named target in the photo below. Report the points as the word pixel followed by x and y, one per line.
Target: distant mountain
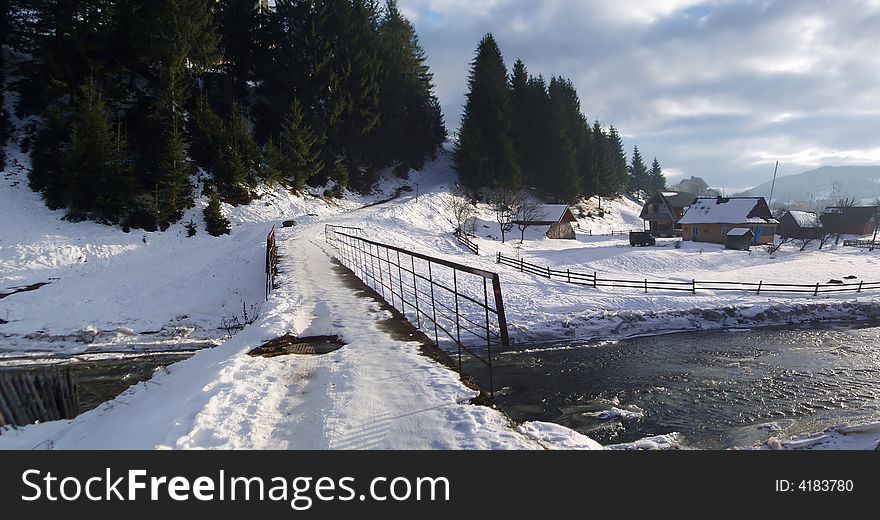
pixel 824 185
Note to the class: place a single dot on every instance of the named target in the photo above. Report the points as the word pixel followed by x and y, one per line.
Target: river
pixel 718 389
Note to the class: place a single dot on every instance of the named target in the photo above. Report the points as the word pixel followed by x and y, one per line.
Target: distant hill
pixel 825 184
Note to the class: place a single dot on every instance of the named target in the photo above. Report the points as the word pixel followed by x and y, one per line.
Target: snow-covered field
pixel 109 290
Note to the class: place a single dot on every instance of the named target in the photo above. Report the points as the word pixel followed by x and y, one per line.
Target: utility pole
pixel 773 185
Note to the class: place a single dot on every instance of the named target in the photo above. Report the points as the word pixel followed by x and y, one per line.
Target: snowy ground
pixel 108 291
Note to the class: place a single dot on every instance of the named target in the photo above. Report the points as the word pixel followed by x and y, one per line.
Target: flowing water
pixel 718 389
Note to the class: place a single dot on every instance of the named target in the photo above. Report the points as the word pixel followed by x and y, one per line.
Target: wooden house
pixel 852 220
pixel 558 218
pixel 663 210
pixel 710 219
pixel 800 224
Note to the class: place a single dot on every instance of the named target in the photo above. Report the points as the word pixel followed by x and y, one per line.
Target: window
pixel 696 231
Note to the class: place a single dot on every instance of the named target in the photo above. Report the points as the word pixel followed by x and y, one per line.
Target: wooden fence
pixel 861 243
pixel 688 286
pixel 466 240
pixel 28 396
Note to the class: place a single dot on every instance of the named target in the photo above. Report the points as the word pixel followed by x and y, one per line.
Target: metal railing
pixel 466 240
pixel 271 262
pixel 454 300
pixel 690 286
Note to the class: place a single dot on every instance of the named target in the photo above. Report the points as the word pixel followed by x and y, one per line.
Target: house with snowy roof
pixel 663 210
pixel 850 220
pixel 557 216
pixel 800 224
pixel 711 219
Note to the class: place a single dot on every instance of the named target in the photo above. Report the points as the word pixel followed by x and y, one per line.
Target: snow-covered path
pixel 377 392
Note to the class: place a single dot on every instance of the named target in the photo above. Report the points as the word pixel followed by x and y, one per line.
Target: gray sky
pixel 717 89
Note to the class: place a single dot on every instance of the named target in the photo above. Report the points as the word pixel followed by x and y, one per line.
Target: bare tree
pixel 528 211
pixel 460 207
pixel 805 241
pixel 843 203
pixel 505 203
pixel 876 204
pixel 772 248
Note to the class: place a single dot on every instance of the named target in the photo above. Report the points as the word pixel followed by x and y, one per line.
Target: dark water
pixel 102 380
pixel 719 389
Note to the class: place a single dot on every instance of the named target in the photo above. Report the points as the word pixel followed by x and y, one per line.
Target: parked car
pixel 641 238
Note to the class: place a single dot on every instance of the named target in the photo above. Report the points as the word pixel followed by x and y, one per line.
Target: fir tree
pixel 638 173
pixel 238 23
pixel 485 155
pixel 614 179
pixel 300 148
pixel 657 179
pixel 410 122
pixel 216 223
pixel 569 129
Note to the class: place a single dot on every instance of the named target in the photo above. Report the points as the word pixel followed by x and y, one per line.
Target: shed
pixel 800 224
pixel 740 239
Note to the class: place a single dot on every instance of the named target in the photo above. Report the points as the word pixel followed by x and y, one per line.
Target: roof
pixel 739 232
pixel 552 212
pixel 731 210
pixel 549 214
pixel 806 219
pixel 858 213
pixel 679 199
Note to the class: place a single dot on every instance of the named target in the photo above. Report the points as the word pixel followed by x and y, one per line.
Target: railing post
pixel 416 291
pixel 488 341
pixel 816 292
pixel 521 264
pixel 498 258
pixel 548 272
pixel 433 305
pixel 693 286
pixel 646 285
pixel 568 275
pixel 457 317
pixel 400 286
pixel 499 308
pixel 860 285
pixel 761 282
pixel 595 276
pixel 390 278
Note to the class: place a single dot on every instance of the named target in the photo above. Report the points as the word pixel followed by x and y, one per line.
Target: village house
pixel 711 219
pixel 851 220
pixel 800 224
pixel 663 210
pixel 557 216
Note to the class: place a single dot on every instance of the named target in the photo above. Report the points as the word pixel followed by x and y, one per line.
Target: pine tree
pixel 485 155
pixel 569 125
pixel 410 121
pixel 275 164
pixel 173 192
pixel 301 149
pixel 638 173
pixel 657 179
pixel 238 22
pixel 216 223
pixel 614 179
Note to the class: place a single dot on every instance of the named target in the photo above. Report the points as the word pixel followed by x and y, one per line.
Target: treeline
pixel 517 130
pixel 138 101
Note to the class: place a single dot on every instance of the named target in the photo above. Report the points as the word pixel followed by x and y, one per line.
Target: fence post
pixel 548 272
pixel 860 285
pixel 400 286
pixel 646 285
pixel 568 275
pixel 816 292
pixel 693 286
pixel 498 258
pixel 457 319
pixel 595 276
pixel 759 286
pixel 499 308
pixel 521 264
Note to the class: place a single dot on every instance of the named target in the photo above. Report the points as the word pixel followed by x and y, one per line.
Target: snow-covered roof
pixel 738 232
pixel 551 212
pixel 806 219
pixel 719 210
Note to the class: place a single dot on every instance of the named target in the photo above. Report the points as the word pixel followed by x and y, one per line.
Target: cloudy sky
pixel 717 89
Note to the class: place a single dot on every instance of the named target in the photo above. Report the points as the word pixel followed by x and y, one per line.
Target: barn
pixel 557 217
pixel 800 224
